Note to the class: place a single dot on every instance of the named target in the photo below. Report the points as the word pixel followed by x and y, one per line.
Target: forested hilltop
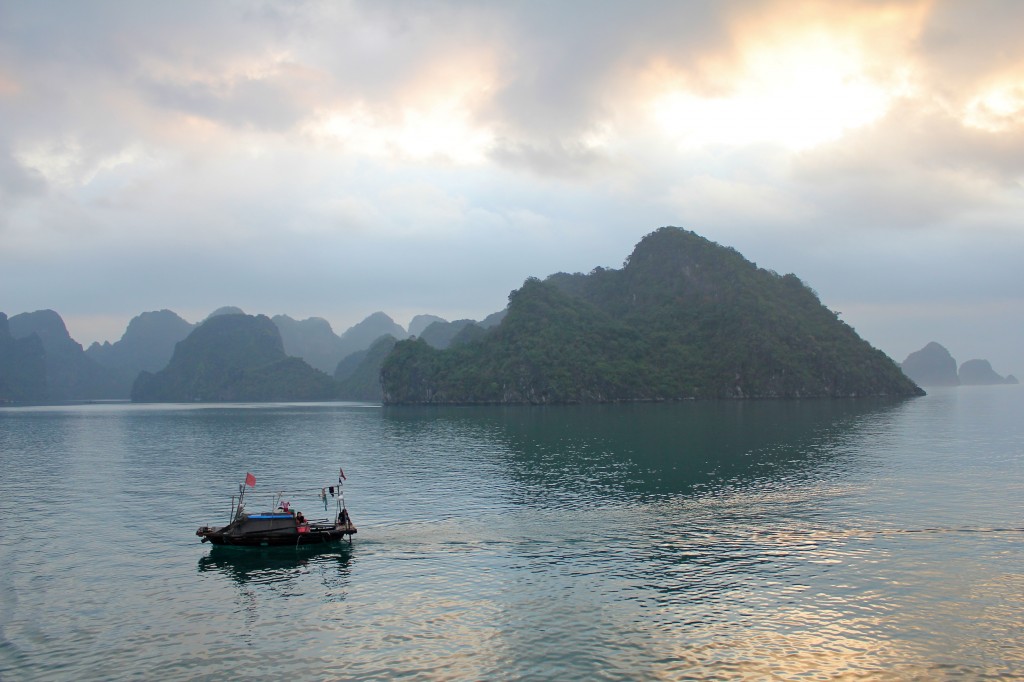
pixel 684 318
pixel 233 357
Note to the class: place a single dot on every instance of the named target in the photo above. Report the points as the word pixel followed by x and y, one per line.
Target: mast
pixel 250 481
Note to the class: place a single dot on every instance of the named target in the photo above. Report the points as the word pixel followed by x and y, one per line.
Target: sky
pixel 334 159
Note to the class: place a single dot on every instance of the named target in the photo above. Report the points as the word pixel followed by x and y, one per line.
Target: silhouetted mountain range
pixel 40 362
pixel 311 339
pixel 684 318
pixel 358 375
pixel 147 345
pixel 22 366
pixel 980 373
pixel 70 374
pixel 421 322
pixel 362 335
pixel 233 357
pixel 933 366
pixel 440 335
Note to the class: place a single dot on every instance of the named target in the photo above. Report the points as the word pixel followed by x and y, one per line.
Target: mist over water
pixel 733 540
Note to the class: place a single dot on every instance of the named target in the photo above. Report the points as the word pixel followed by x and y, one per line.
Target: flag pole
pixel 241 496
pixel 250 480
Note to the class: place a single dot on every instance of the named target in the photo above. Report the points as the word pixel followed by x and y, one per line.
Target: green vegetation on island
pixel 684 318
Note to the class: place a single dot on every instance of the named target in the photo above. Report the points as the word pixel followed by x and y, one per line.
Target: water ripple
pixel 749 542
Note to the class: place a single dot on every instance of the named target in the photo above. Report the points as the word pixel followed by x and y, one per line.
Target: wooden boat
pixel 282 525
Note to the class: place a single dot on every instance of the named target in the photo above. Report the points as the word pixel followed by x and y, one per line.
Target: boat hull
pixel 274 530
pixel 274 539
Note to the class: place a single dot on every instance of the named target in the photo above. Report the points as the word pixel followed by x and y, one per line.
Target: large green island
pixel 685 318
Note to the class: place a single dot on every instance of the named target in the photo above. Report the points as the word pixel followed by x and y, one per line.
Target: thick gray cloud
pixel 334 159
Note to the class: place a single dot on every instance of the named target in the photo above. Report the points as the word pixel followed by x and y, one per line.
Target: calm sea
pixel 739 540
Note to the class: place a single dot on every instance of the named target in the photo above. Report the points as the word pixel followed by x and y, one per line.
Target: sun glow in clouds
pixel 999 108
pixel 432 120
pixel 796 95
pixel 413 134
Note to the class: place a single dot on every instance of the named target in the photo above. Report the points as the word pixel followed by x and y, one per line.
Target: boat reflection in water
pixel 266 566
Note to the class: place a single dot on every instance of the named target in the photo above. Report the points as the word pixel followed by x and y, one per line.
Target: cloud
pixel 341 158
pixel 17 181
pixel 966 48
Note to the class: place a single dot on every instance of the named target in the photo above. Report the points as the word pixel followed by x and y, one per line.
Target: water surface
pixel 810 539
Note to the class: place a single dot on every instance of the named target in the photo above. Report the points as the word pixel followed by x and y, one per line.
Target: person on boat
pixel 301 524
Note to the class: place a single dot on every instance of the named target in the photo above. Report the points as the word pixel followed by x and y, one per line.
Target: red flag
pixel 250 480
pixel 341 474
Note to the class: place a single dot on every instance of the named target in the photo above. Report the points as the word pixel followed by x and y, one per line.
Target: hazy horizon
pixel 336 159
